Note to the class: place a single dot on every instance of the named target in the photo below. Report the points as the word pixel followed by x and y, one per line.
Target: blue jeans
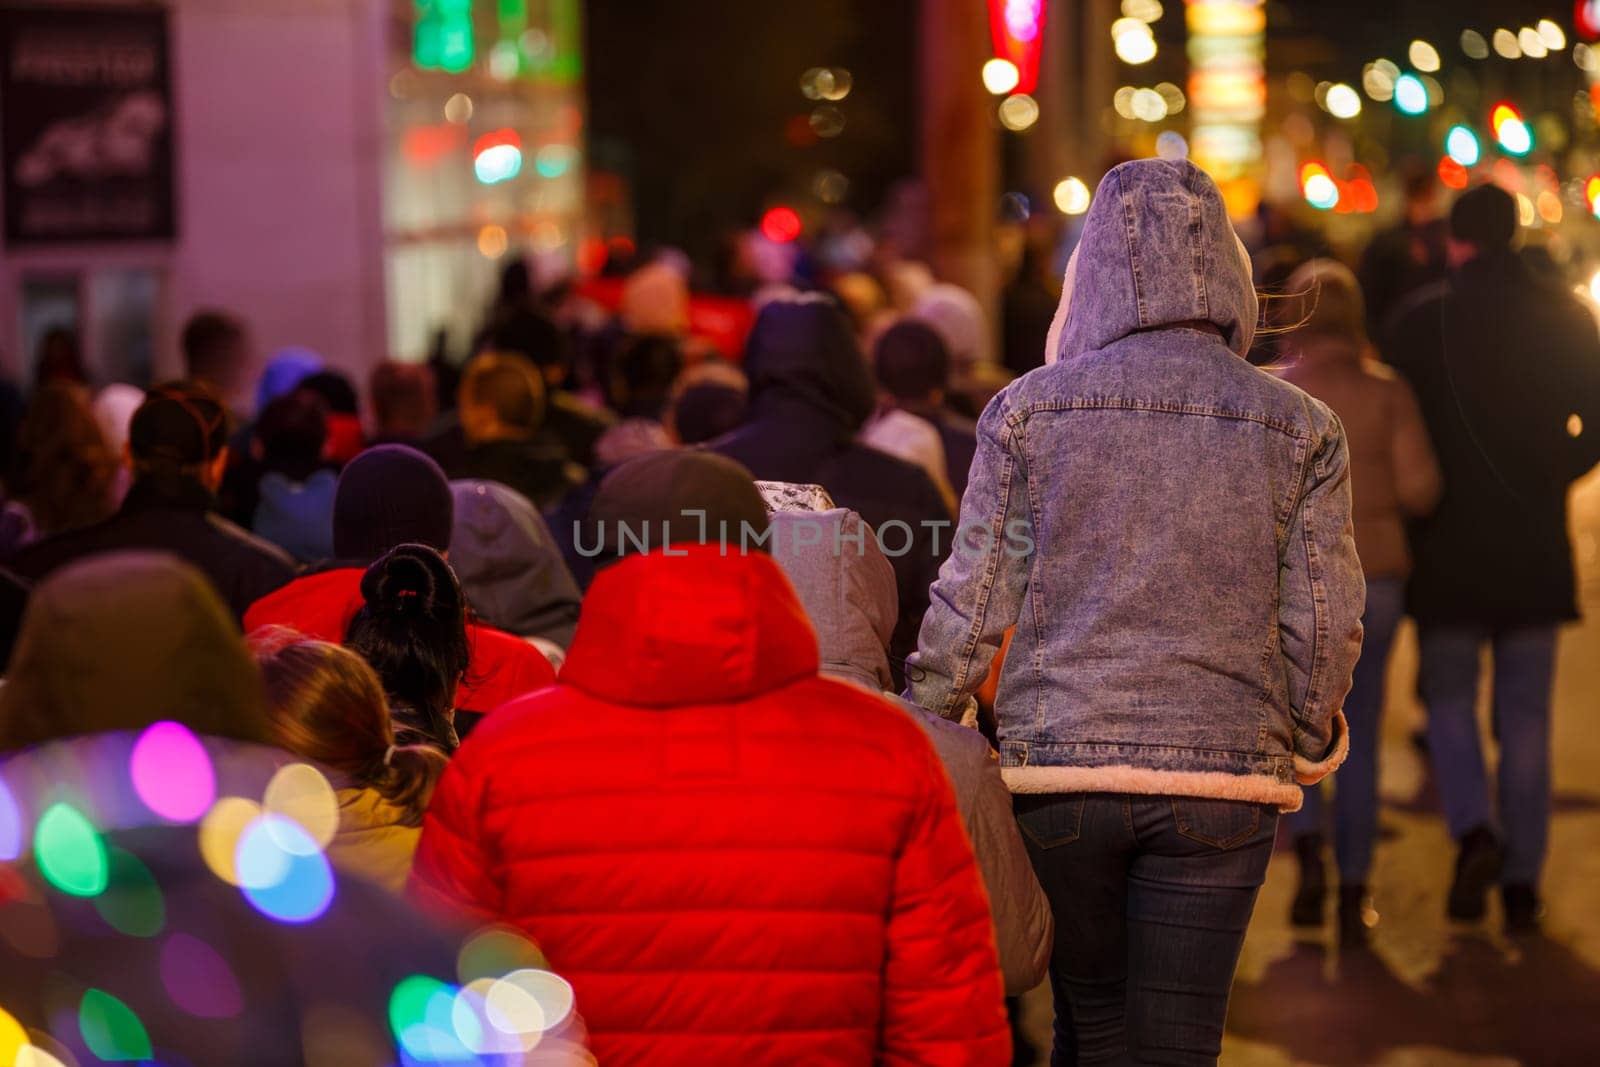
pixel 1151 897
pixel 1355 787
pixel 1524 668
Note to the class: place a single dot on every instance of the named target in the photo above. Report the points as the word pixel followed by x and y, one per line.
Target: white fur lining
pixel 1310 772
pixel 1144 780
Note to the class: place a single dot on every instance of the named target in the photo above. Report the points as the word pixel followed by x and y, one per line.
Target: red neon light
pixel 506 136
pixel 1586 18
pixel 1017 27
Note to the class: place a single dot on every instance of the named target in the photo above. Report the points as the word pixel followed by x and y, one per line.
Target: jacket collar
pixel 700 627
pixel 167 492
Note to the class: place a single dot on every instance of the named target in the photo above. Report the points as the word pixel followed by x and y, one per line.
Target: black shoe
pixel 1522 907
pixel 1357 916
pixel 1310 898
pixel 1477 868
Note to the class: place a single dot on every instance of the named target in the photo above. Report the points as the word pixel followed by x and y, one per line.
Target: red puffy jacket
pixel 501 667
pixel 733 860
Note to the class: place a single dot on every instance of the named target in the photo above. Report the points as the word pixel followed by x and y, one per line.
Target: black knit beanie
pixel 1485 217
pixel 678 497
pixel 391 495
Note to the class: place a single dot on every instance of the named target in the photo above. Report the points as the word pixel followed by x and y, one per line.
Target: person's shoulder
pixel 38 559
pixel 264 552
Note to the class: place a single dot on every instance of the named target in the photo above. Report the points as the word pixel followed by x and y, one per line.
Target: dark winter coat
pixel 1500 362
pixel 810 392
pixel 171 515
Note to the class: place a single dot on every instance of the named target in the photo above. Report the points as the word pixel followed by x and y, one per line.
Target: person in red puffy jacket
pixel 734 860
pixel 391 495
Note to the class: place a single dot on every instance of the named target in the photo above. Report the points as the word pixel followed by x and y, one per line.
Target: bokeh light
pixel 1132 40
pixel 1171 145
pixel 11 831
pixel 12 1038
pixel 493 241
pixel 1525 210
pixel 1423 56
pixel 1515 137
pixel 780 224
pixel 458 109
pixel 528 1001
pixel 1473 45
pixel 422 1018
pixel 220 831
pixel 1549 207
pixel 111 1029
pixel 198 979
pixel 300 793
pixel 1410 94
pixel 69 851
pixel 281 870
pixel 1377 79
pixel 172 773
pixel 1551 34
pixel 1342 101
pixel 1072 196
pixel 1452 173
pixel 1461 144
pixel 1018 112
pixel 1505 44
pixel 494 951
pixel 497 157
pixel 827 121
pixel 1531 43
pixel 132 903
pixel 1000 76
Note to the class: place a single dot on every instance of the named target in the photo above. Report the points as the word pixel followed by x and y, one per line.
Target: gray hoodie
pixel 509 565
pixel 848 590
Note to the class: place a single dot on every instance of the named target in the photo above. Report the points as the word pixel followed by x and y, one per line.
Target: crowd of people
pixel 797 708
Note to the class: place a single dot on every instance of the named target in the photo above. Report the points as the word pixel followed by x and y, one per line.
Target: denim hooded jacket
pixel 1167 527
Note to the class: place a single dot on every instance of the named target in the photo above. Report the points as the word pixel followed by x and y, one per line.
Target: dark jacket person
pixel 1507 370
pixel 810 392
pixel 177 450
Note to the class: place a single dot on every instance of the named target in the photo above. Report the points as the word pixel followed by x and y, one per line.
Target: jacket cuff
pixel 1310 772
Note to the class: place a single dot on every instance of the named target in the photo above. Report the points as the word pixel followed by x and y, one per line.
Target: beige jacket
pixel 1394 474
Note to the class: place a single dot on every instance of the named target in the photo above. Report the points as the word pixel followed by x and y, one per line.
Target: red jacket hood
pixel 502 667
pixel 699 626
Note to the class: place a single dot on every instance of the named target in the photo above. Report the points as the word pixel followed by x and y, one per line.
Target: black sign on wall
pixel 85 124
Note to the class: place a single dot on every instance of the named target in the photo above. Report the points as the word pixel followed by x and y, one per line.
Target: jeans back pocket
pixel 1221 824
pixel 1049 820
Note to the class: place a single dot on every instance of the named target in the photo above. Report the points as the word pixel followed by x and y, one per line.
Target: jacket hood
pixel 846 586
pixel 1157 249
pixel 124 640
pixel 802 350
pixel 509 565
pixel 701 625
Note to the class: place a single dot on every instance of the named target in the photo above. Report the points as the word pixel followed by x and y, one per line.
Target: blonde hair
pixel 326 704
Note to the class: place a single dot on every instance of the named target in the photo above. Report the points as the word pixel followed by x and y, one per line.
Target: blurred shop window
pixel 102 321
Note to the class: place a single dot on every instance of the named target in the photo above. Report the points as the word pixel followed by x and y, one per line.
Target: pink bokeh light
pixel 172 773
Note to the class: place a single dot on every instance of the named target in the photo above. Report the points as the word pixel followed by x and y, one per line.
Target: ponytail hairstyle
pixel 413 631
pixel 326 705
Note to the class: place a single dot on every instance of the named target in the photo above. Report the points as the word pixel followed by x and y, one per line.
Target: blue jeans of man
pixel 1355 787
pixel 1151 897
pixel 1524 668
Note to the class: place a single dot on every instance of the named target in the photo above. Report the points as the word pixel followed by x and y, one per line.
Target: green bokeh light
pixel 111 1029
pixel 132 902
pixel 69 852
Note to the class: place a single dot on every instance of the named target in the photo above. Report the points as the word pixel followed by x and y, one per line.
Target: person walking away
pixel 64 474
pixel 511 567
pixel 1394 477
pixel 501 405
pixel 412 629
pixel 913 367
pixel 765 866
pixel 1412 255
pixel 177 450
pixel 294 505
pixel 389 496
pixel 1507 370
pixel 326 705
pixel 810 393
pixel 846 586
pixel 1169 531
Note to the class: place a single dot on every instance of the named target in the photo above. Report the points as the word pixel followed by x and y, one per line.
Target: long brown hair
pixel 327 705
pixel 63 470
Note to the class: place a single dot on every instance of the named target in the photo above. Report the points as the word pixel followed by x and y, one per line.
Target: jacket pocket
pixel 1049 821
pixel 1222 824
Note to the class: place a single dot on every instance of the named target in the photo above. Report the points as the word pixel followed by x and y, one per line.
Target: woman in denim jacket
pixel 1169 530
